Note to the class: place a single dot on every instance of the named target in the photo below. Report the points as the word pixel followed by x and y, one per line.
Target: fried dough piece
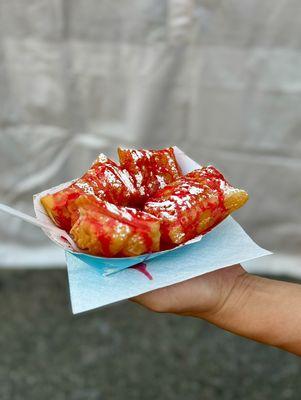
pixel 105 179
pixel 194 204
pixel 103 229
pixel 150 169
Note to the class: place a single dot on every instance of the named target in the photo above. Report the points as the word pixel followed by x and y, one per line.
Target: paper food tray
pixel 107 265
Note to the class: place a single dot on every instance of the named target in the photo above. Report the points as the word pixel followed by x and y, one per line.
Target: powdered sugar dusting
pixel 161 181
pixel 84 186
pixel 102 158
pixel 191 205
pixel 195 190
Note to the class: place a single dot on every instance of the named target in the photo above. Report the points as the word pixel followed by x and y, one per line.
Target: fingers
pixel 172 299
pixel 196 296
pixel 156 300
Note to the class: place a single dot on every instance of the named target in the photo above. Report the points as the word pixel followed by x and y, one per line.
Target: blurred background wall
pixel 219 78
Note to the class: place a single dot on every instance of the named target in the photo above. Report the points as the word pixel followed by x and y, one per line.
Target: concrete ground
pixel 125 352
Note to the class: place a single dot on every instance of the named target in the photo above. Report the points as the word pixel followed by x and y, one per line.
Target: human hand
pixel 200 297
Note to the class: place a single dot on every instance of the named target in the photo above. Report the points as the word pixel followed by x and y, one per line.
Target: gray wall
pixel 220 79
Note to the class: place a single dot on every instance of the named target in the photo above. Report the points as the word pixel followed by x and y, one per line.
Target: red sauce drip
pixel 142 267
pixel 105 179
pixel 104 221
pixel 103 231
pixel 150 169
pixel 181 204
pixel 60 210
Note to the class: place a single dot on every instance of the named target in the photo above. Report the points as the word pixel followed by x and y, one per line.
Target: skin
pixel 257 308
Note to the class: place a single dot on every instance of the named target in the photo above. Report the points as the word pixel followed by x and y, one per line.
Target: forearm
pixel 265 310
pixel 262 309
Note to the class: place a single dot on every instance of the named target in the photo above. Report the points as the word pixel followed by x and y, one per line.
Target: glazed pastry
pixel 150 169
pixel 109 182
pixel 194 204
pixel 56 206
pixel 103 229
pixel 105 179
